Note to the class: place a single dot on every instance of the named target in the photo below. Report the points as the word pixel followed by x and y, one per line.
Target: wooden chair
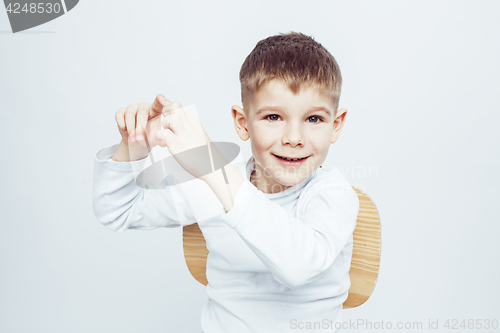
pixel 364 263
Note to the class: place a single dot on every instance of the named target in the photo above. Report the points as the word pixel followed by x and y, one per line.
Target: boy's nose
pixel 293 136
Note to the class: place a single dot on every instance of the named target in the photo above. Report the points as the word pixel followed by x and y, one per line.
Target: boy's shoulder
pixel 330 182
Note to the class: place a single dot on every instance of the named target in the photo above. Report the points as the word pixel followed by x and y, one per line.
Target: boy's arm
pixel 226 193
pixel 120 204
pixel 295 250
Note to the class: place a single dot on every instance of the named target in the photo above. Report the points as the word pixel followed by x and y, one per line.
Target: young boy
pixel 281 240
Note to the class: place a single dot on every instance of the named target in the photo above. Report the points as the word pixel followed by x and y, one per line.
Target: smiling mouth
pixel 291 159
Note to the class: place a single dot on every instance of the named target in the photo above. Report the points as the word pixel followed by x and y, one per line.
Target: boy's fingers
pixel 130 116
pixel 165 123
pixel 158 104
pixel 170 107
pixel 165 135
pixel 120 118
pixel 142 116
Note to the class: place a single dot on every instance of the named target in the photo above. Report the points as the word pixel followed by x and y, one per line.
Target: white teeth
pixel 292 160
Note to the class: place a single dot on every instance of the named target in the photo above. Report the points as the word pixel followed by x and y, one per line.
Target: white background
pixel 421 83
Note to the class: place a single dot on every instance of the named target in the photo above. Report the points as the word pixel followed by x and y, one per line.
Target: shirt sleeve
pixel 120 204
pixel 296 250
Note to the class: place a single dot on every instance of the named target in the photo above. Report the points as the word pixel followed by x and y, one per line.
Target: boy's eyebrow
pixel 277 108
pixel 321 108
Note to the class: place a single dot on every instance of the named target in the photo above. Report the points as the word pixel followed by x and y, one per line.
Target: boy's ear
pixel 240 122
pixel 338 123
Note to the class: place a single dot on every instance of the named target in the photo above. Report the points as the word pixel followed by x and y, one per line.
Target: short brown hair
pixel 296 59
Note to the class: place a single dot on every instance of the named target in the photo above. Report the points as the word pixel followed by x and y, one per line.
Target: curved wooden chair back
pixel 365 256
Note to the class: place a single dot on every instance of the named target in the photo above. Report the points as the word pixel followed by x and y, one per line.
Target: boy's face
pixel 280 123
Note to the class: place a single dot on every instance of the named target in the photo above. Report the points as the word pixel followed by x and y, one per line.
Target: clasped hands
pixel 182 134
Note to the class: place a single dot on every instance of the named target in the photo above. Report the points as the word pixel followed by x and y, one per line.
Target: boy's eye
pixel 272 115
pixel 318 119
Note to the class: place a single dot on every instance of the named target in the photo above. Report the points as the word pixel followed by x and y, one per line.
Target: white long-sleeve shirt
pixel 278 262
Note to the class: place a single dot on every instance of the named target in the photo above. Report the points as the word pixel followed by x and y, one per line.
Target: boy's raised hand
pixel 186 139
pixel 138 125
